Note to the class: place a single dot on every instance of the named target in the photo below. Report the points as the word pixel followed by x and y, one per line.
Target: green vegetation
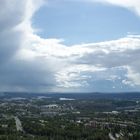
pixel 81 119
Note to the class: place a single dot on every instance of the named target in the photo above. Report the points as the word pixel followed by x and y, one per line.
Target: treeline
pixel 63 130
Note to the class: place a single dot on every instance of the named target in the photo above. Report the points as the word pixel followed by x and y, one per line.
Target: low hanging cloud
pixel 31 63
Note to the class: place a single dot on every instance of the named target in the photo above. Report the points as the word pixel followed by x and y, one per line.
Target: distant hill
pixel 89 96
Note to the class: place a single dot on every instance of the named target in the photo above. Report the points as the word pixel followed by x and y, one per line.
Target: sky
pixel 70 45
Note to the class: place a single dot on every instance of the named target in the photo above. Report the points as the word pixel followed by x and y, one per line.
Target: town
pixel 58 117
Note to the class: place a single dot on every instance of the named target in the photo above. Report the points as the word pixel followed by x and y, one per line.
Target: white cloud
pixel 104 56
pixel 133 5
pixel 77 66
pixel 76 75
pixel 133 76
pixel 127 82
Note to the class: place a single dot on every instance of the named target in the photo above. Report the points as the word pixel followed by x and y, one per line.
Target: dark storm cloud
pixel 17 74
pixel 10 17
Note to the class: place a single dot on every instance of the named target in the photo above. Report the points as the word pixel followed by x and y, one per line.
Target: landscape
pixel 55 116
pixel 69 69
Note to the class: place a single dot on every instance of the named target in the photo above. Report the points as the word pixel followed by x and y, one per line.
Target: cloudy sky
pixel 70 45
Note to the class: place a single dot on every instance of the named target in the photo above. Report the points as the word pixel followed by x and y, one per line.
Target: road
pixel 111 136
pixel 18 124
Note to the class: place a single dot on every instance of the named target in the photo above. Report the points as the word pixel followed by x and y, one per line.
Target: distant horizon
pixel 127 92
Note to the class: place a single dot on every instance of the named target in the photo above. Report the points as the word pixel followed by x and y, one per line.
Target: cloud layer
pixel 133 5
pixel 31 63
